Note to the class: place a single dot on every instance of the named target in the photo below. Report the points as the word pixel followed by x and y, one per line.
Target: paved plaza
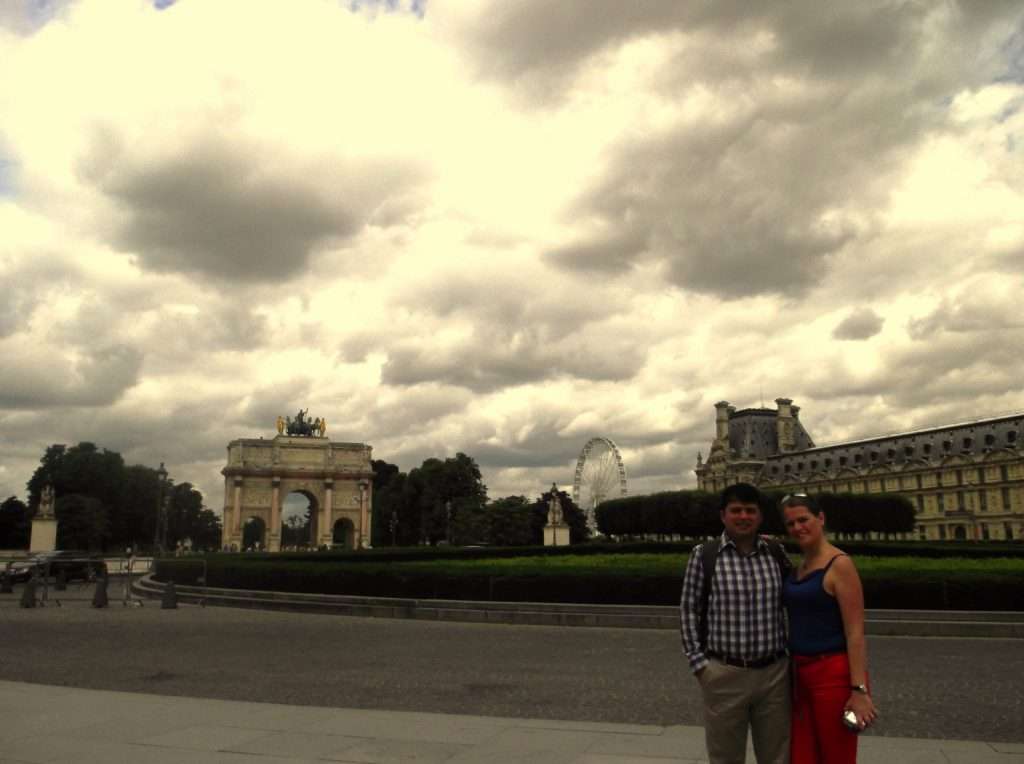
pixel 217 684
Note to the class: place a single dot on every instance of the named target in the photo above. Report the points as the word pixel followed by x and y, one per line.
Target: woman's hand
pixel 862 705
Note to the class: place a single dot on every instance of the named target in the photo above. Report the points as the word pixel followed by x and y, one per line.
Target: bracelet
pixel 861 688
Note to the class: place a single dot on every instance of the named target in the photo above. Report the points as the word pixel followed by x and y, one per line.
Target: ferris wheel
pixel 600 475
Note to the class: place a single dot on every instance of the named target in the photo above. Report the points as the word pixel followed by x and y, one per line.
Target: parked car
pixel 75 564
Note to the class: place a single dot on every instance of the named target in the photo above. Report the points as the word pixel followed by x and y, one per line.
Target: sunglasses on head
pixel 789 496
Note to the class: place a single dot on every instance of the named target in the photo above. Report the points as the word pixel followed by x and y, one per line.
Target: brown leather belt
pixel 743 663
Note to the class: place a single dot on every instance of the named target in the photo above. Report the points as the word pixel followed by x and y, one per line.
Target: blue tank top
pixel 815 623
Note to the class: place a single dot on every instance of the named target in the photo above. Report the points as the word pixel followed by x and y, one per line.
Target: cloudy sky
pixel 503 228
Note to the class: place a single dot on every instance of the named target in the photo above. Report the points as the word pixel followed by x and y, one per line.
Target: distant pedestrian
pixel 825 603
pixel 733 630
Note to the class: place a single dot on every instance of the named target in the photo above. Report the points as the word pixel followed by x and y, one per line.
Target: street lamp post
pixel 161 511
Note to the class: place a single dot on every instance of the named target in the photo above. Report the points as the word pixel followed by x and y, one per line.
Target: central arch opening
pixel 254 534
pixel 298 521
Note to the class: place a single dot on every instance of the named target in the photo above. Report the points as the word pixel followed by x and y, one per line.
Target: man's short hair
pixel 742 492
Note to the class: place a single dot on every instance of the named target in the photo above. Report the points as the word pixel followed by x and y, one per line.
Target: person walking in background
pixel 733 633
pixel 825 604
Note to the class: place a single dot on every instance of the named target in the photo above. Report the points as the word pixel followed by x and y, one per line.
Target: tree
pixel 388 483
pixel 510 521
pixel 82 522
pixel 15 524
pixel 435 494
pixel 127 499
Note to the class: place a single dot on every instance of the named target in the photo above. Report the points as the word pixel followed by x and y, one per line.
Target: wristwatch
pixel 861 688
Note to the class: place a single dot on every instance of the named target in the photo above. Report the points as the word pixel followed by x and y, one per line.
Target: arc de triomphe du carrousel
pixel 335 477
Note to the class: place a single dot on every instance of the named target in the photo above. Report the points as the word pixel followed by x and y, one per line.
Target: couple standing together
pixel 737 593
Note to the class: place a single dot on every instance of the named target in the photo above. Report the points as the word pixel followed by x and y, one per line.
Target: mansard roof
pixel 753 433
pixel 932 445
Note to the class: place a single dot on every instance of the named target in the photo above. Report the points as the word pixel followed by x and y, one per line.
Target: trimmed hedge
pixel 696 513
pixel 931 587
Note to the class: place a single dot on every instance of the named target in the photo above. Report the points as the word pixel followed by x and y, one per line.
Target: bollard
pixel 60 582
pixel 170 598
pixel 99 598
pixel 5 583
pixel 28 594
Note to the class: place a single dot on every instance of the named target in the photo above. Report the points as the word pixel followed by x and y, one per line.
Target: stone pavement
pixel 42 723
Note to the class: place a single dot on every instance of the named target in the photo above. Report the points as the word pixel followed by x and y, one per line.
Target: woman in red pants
pixel 825 604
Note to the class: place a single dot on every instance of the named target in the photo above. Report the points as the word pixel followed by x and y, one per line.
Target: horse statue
pixel 303 425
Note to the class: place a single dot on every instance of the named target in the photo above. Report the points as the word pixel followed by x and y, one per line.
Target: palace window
pixel 920 503
pixel 919 481
pixel 828 463
pixel 983 500
pixel 1004 473
pixel 960 501
pixel 947 446
pixel 1011 436
pixel 990 440
pixel 941 500
pixel 981 475
pixel 908 451
pixel 984 532
pixel 927 449
pixel 842 461
pixel 1006 498
pixel 1008 531
pixel 959 477
pixel 942 532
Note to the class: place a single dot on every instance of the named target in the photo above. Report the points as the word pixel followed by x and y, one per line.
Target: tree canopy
pixel 102 504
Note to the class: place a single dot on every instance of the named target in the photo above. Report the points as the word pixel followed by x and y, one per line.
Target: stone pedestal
pixel 44 535
pixel 556 535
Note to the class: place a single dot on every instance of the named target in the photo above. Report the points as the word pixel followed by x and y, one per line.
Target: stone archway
pixel 254 534
pixel 299 515
pixel 343 534
pixel 335 477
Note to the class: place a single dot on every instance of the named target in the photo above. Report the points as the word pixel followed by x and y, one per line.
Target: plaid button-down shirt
pixel 745 616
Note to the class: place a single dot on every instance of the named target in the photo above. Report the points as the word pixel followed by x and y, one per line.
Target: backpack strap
pixel 709 555
pixel 779 553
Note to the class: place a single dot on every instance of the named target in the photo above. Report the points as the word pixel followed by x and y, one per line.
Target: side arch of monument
pixel 337 477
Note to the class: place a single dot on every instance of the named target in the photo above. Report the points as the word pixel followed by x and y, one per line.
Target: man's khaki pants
pixel 735 698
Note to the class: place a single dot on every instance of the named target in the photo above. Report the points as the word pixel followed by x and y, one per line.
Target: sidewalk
pixel 42 723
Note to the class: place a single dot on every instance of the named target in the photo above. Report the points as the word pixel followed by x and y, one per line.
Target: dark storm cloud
pixel 37 378
pixel 416 408
pixel 496 360
pixel 960 366
pixel 228 211
pixel 550 311
pixel 861 324
pixel 511 41
pixel 801 138
pixel 971 314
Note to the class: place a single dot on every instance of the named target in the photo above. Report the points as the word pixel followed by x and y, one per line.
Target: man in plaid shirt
pixel 741 666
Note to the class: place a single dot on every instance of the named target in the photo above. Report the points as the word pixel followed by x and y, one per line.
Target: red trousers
pixel 821 687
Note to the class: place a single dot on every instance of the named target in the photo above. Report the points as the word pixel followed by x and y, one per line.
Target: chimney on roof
pixel 722 422
pixel 784 424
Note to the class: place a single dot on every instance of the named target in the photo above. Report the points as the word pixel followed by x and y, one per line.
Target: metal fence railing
pixel 50 578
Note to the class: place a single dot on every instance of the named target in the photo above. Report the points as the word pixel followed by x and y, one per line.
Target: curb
pixel 908 623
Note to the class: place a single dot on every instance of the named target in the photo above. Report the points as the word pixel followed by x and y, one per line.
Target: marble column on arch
pixel 326 532
pixel 274 532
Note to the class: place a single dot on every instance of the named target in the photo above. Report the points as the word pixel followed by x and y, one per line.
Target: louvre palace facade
pixel 966 480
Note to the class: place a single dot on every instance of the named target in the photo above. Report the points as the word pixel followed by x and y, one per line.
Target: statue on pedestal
pixel 555 507
pixel 46 502
pixel 556 531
